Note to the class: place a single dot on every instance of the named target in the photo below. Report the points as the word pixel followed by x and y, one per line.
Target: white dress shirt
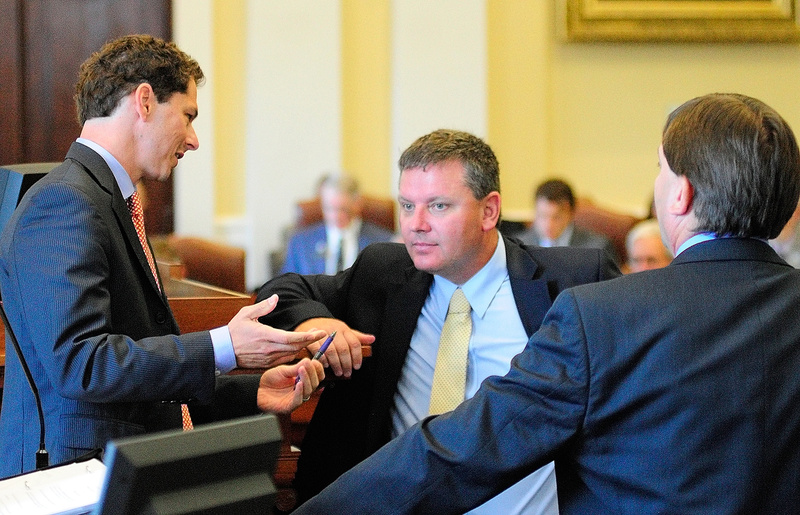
pixel 347 238
pixel 497 336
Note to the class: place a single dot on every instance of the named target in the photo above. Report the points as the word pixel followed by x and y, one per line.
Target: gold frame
pixel 681 20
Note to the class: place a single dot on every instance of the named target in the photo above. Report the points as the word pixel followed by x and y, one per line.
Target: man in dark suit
pixel 82 292
pixel 668 391
pixel 449 209
pixel 554 221
pixel 332 245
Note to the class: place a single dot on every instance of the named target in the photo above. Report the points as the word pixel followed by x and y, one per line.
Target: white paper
pixel 68 489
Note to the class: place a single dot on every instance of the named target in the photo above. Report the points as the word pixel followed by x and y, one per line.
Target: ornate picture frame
pixel 681 20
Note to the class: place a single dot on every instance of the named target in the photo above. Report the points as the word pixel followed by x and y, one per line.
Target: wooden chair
pixel 378 210
pixel 612 224
pixel 210 262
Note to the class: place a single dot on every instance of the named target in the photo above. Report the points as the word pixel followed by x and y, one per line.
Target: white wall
pixel 194 176
pixel 438 70
pixel 294 113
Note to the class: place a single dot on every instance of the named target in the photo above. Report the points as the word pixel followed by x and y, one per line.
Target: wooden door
pixel 42 44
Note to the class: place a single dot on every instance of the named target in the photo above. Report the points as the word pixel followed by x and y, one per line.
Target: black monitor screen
pixel 224 467
pixel 15 181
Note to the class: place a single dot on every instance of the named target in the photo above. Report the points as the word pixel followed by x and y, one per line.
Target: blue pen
pixel 324 347
pixel 321 351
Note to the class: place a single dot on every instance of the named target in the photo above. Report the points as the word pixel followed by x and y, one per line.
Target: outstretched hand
pixel 279 390
pixel 257 345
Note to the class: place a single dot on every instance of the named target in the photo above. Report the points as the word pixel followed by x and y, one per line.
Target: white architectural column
pixel 194 176
pixel 293 116
pixel 438 69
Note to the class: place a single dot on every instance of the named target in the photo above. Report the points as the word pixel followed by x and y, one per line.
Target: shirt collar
pixel 120 175
pixel 334 233
pixel 482 287
pixel 694 240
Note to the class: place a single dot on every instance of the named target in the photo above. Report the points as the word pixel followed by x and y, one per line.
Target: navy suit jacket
pixel 668 391
pixel 97 333
pixel 383 294
pixel 305 253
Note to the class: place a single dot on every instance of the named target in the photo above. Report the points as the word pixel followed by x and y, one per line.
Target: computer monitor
pixel 224 468
pixel 15 181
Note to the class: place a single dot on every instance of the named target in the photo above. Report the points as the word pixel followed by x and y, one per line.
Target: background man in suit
pixel 333 244
pixel 646 250
pixel 668 391
pixel 82 292
pixel 554 221
pixel 787 243
pixel 449 197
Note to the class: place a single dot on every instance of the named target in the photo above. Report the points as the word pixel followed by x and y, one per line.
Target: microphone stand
pixel 42 458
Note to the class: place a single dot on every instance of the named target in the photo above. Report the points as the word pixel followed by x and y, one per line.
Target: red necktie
pixel 137 215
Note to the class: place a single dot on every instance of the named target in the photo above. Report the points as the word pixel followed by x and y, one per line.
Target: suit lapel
pixel 97 168
pixel 531 295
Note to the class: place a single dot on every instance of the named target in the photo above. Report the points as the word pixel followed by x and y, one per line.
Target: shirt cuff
pixel 224 356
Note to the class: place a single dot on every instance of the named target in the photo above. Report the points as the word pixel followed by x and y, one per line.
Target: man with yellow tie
pixel 402 300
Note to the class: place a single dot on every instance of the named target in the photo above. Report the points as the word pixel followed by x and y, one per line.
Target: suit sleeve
pixel 301 297
pixel 70 321
pixel 512 426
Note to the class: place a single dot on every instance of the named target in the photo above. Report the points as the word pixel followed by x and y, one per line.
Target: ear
pixel 491 211
pixel 144 99
pixel 682 196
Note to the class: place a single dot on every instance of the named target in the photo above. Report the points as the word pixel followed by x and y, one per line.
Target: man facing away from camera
pixel 667 391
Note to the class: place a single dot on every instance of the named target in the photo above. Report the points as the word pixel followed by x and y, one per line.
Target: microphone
pixel 42 457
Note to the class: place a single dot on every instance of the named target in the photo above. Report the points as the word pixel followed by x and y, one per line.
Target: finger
pixel 331 356
pixel 364 338
pixel 343 355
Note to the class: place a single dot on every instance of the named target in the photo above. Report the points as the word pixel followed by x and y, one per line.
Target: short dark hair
pixel 742 160
pixel 555 190
pixel 122 64
pixel 482 169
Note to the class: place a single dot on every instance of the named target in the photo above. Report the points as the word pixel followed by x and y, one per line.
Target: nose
pixel 192 141
pixel 417 221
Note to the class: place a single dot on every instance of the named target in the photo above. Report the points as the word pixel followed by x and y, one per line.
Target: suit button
pixel 161 318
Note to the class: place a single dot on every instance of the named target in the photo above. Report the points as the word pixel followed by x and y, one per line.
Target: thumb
pixel 364 337
pixel 264 307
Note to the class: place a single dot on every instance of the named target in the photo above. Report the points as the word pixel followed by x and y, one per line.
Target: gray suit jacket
pixel 96 332
pixel 383 294
pixel 580 238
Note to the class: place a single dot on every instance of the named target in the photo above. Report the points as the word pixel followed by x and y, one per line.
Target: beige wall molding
pixel 680 20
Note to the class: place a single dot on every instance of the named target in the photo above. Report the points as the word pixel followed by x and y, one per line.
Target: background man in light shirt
pixel 332 245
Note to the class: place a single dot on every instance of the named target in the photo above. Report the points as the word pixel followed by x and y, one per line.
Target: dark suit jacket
pixel 96 332
pixel 305 253
pixel 668 391
pixel 383 294
pixel 580 238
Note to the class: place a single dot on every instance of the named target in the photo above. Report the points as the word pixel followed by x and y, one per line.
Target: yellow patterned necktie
pixel 450 374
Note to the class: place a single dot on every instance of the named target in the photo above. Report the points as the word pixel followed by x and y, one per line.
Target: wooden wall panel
pixel 11 70
pixel 44 43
